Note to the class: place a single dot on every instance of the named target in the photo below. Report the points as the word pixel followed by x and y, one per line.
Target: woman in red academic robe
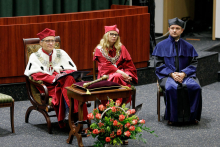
pixel 114 60
pixel 47 65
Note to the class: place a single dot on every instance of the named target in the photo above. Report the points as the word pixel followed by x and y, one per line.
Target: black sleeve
pixel 193 61
pixel 158 61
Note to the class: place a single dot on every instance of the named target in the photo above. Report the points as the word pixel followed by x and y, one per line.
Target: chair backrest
pixel 94 68
pixel 32 45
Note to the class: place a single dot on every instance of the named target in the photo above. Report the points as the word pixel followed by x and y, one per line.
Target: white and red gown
pixel 39 68
pixel 106 66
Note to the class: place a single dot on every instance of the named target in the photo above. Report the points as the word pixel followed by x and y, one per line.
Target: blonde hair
pixel 104 43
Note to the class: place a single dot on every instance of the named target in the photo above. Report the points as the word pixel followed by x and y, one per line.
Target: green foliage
pixel 127 126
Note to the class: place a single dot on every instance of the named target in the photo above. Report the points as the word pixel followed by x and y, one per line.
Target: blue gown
pixel 183 100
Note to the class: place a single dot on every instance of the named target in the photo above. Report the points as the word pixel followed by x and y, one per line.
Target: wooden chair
pixel 41 102
pixel 159 94
pixel 95 70
pixel 8 101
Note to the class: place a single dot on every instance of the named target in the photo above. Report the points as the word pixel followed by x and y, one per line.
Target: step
pixel 219 76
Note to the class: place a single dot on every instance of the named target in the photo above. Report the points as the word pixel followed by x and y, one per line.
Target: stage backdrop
pixel 80 32
pixel 10 8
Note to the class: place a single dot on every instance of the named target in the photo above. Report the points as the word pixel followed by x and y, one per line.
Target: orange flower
pixel 95 131
pixel 134 122
pixel 90 116
pixel 121 117
pixel 127 125
pixel 119 132
pixel 98 116
pixel 132 111
pixel 113 109
pixel 128 112
pixel 131 128
pixel 101 107
pixel 115 123
pixel 107 139
pixel 118 103
pixel 127 133
pixel 142 121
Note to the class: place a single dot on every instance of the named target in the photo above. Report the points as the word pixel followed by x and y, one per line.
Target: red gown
pixel 58 92
pixel 124 63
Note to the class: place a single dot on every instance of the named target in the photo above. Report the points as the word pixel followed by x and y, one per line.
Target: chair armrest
pixel 159 88
pixel 39 84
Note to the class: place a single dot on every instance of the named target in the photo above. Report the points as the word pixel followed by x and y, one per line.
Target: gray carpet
pixel 205 134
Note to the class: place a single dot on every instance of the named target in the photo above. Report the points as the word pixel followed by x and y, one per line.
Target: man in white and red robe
pixel 47 65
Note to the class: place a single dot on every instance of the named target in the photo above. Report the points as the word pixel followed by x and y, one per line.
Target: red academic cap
pixel 46 32
pixel 111 28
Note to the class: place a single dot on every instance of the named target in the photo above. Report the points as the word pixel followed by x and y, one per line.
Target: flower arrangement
pixel 113 124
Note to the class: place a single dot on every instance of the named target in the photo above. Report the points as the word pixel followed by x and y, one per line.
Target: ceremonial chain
pixel 113 60
pixel 47 63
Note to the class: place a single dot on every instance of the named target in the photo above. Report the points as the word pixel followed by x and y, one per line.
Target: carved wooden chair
pixel 41 102
pixel 95 70
pixel 8 101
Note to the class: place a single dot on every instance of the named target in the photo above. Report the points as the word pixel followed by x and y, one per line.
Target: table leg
pixel 80 126
pixel 75 130
pixel 71 123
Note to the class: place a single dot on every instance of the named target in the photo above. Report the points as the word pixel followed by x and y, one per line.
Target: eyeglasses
pixel 112 34
pixel 49 41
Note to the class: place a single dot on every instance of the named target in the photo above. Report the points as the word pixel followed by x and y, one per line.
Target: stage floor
pixel 205 134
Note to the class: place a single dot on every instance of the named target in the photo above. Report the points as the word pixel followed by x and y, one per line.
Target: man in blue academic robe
pixel 176 64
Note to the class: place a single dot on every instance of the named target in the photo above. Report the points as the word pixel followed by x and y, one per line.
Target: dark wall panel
pixel 78 39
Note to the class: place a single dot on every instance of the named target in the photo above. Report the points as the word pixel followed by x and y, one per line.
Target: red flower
pixel 95 131
pixel 113 109
pixel 134 122
pixel 107 139
pixel 101 107
pixel 90 116
pixel 115 123
pixel 118 103
pixel 142 121
pixel 127 133
pixel 98 116
pixel 127 125
pixel 131 128
pixel 119 132
pixel 121 117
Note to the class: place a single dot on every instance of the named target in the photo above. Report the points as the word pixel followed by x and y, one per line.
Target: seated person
pixel 176 65
pixel 114 59
pixel 47 65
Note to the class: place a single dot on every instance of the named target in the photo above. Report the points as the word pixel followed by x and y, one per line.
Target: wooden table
pixel 82 97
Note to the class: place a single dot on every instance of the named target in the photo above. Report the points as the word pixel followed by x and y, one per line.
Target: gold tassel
pixel 126 87
pixel 87 92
